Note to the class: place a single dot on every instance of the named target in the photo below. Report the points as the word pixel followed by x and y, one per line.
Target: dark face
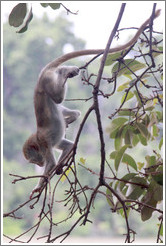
pixel 36 157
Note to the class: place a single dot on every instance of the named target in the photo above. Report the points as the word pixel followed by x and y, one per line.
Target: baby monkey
pixel 52 119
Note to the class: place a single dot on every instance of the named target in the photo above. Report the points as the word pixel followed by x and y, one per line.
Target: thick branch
pixel 95 92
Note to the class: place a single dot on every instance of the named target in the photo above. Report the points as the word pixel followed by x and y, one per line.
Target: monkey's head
pixel 33 152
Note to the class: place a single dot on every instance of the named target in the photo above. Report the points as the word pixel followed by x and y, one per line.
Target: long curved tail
pixel 55 63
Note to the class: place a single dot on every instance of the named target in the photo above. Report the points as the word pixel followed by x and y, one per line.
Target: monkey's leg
pixel 66 146
pixel 49 165
pixel 70 115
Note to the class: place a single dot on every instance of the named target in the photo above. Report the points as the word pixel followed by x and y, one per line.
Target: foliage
pixel 20 16
pixel 129 178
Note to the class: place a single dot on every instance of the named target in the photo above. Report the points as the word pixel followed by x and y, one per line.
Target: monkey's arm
pixel 49 165
pixel 54 81
pixel 54 89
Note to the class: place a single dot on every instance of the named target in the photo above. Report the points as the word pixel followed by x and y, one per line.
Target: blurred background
pixel 51 34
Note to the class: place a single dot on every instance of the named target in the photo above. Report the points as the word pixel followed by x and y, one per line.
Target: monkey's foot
pixel 39 189
pixel 59 170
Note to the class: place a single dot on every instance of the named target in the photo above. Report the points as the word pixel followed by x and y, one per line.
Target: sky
pixel 95 19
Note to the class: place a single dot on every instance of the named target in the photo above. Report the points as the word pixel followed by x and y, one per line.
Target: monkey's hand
pixel 39 189
pixel 35 190
pixel 73 73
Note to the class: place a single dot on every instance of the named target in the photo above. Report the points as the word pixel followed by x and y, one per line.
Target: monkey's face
pixel 37 158
pixel 34 156
pixel 33 152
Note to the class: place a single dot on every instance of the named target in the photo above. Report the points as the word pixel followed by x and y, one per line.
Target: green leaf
pixel 161 143
pixel 152 196
pixel 119 156
pixel 159 116
pixel 129 161
pixel 82 160
pixel 128 128
pixel 113 154
pixel 150 108
pixel 161 230
pixel 157 49
pixel 158 175
pixel 132 64
pixel 142 140
pixel 160 48
pixel 23 29
pixel 119 121
pixel 110 199
pixel 18 14
pixel 138 98
pixel 128 137
pixel 55 5
pixel 121 211
pixel 151 160
pixel 111 58
pixel 155 131
pixel 126 177
pixel 115 125
pixel 118 139
pixel 25 26
pixel 44 5
pixel 126 112
pixel 143 130
pixel 128 76
pixel 158 193
pixel 140 165
pixel 135 190
pixel 113 133
pixel 129 96
pixel 124 191
pixel 52 5
pixel 146 213
pixel 63 178
pixel 135 140
pixel 123 86
pixel 146 120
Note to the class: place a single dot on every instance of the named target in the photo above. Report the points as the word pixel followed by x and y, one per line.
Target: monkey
pixel 52 118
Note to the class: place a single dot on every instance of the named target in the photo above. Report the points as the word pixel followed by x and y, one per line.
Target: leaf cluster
pixel 20 16
pixel 137 124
